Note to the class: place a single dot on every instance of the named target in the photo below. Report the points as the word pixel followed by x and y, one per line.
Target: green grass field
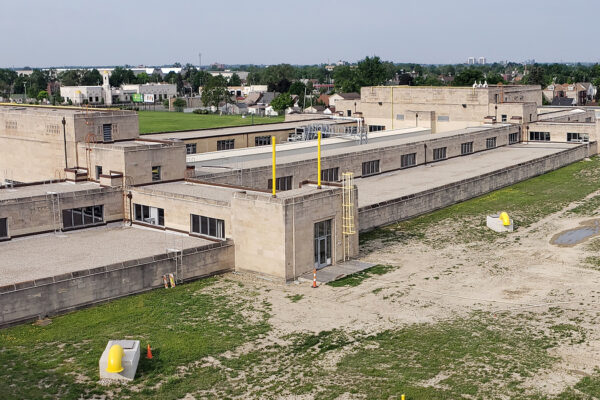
pixel 159 121
pixel 212 338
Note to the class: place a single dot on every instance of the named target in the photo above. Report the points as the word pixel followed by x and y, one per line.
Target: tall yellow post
pixel 273 140
pixel 319 160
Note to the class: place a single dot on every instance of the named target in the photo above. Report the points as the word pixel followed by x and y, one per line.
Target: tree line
pixel 286 78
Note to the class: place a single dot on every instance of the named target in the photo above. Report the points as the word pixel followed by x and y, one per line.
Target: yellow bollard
pixel 115 355
pixel 504 218
pixel 402 397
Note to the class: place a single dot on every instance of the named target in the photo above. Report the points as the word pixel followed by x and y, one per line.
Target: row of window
pixel 82 217
pixel 3 228
pixel 281 183
pixel 571 136
pixel 198 223
pixel 229 144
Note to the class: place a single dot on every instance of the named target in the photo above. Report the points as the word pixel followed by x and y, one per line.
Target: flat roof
pixel 26 258
pixel 392 185
pixel 57 110
pixel 198 190
pixel 44 189
pixel 239 130
pixel 254 157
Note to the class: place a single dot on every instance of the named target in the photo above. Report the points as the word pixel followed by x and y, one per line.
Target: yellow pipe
pixel 115 356
pixel 319 160
pixel 273 139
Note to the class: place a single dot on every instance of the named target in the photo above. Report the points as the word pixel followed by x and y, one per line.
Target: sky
pixel 42 33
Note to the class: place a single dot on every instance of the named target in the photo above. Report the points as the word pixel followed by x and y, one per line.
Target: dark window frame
pixel 370 168
pixel 207 226
pixel 538 136
pixel 439 153
pixel 466 148
pixel 83 217
pixel 156 176
pixel 282 183
pixel 191 148
pixel 4 228
pixel 330 174
pixel 227 144
pixel 262 140
pixel 490 143
pixel 143 212
pixel 408 160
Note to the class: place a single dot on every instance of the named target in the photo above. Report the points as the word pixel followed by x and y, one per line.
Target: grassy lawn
pixel 160 121
pixel 526 202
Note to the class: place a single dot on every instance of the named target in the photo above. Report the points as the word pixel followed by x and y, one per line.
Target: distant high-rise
pixel 481 61
pixel 471 60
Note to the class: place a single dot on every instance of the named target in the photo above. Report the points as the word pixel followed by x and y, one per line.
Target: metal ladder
pixel 348 224
pixel 56 217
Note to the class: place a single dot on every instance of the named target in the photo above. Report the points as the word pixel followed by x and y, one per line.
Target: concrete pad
pixel 131 357
pixel 338 271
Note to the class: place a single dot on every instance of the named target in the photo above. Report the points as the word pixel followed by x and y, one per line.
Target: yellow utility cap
pixel 504 218
pixel 115 355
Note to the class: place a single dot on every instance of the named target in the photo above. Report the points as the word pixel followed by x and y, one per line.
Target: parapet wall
pixel 384 213
pixel 25 301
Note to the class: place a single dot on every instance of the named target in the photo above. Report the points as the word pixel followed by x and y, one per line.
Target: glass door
pixel 322 242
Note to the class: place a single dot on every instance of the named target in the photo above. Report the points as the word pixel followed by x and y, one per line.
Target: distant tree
pixel 42 94
pixel 70 77
pixel 142 78
pixel 297 88
pixel 345 79
pixel 179 104
pixel 156 77
pixel 371 72
pixel 199 79
pixel 281 86
pixel 235 80
pixel 536 76
pixel 91 78
pixel 468 77
pixel 120 76
pixel 281 102
pixel 176 65
pixel 215 92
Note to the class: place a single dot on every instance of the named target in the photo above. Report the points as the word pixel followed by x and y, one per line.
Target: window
pixel 513 138
pixel 98 172
pixel 283 183
pixel 208 226
pixel 3 228
pixel 107 132
pixel 96 99
pixel 376 128
pixel 330 174
pixel 225 144
pixel 408 160
pixel 466 148
pixel 82 217
pixel 156 173
pixel 530 117
pixel 490 143
pixel 190 148
pixel 262 140
pixel 443 118
pixel 504 117
pixel 541 136
pixel 400 117
pixel 149 215
pixel 349 112
pixel 439 153
pixel 370 167
pixel 577 137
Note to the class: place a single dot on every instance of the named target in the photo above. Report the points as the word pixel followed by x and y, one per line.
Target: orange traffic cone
pixel 149 353
pixel 314 278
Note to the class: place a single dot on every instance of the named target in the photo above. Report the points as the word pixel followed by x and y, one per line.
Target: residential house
pixel 343 96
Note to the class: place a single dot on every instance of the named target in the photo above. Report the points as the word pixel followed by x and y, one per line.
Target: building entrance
pixel 322 244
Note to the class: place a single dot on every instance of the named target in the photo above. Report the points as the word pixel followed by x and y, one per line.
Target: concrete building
pixel 143 208
pixel 104 94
